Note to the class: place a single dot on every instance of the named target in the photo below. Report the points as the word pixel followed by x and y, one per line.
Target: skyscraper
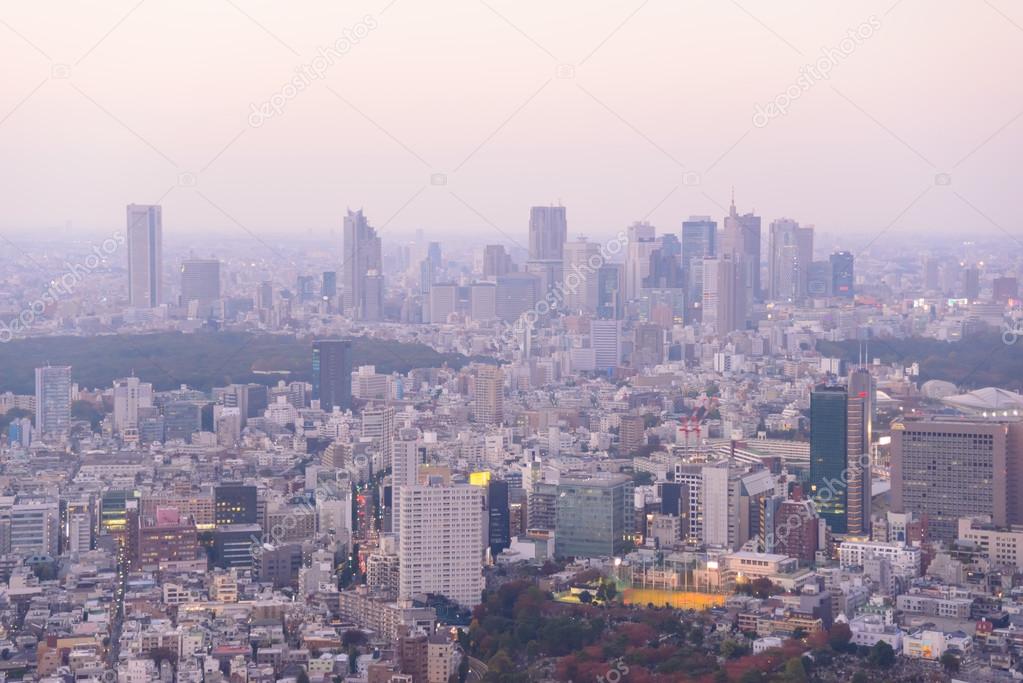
pixel 548 230
pixel 145 255
pixel 724 301
pixel 361 258
pixel 642 243
pixel 699 241
pixel 441 552
pixel 499 516
pixel 496 261
pixel 842 274
pixel 841 420
pixel 332 373
pixel 200 282
pixel 665 269
pixel 609 291
pixel 489 395
pixel 741 238
pixel 53 402
pixel 582 259
pixel 790 254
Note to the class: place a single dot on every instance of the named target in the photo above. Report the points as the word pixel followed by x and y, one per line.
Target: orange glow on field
pixel 676 599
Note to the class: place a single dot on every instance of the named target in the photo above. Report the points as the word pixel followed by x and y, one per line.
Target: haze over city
pixel 621 112
pixel 490 342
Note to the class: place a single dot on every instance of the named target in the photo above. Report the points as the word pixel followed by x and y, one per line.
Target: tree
pixel 950 662
pixel 696 635
pixel 860 677
pixel 585 597
pixel 731 648
pixel 303 677
pixel 839 637
pixel 798 633
pixel 882 655
pixel 795 672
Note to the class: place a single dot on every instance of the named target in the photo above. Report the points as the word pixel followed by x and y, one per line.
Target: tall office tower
pixel 842 274
pixel 819 279
pixel 53 402
pixel 405 461
pixel 971 283
pixel 496 261
pixel 200 282
pixel 606 342
pixel 665 268
pixel 944 468
pixel 234 504
pixel 265 296
pixel 517 293
pixel 699 241
pixel 373 296
pixel 443 301
pixel 932 274
pixel 642 243
pixel 799 540
pixel 582 261
pixel 130 394
pixel 328 285
pixel 499 516
pixel 361 256
pixel 840 431
pixel 595 517
pixel 483 301
pixel 489 395
pixel 1004 288
pixel 741 238
pixel 427 276
pixel 790 252
pixel 378 425
pixel 862 402
pixel 441 536
pixel 721 500
pixel 433 253
pixel 548 231
pixel 725 299
pixel 332 373
pixel 610 282
pixel 145 255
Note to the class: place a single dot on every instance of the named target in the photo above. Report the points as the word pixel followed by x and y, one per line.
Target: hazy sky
pixel 619 110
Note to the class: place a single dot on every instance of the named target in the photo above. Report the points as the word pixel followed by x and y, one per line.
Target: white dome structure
pixel 991 401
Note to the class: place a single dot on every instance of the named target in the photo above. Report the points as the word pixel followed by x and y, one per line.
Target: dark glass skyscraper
pixel 499 516
pixel 842 274
pixel 828 430
pixel 841 423
pixel 332 373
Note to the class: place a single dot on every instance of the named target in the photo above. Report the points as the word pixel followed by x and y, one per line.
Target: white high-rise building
pixel 606 342
pixel 441 535
pixel 582 262
pixel 790 254
pixel 145 255
pixel 378 425
pixel 129 395
pixel 642 243
pixel 489 395
pixel 53 402
pixel 404 472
